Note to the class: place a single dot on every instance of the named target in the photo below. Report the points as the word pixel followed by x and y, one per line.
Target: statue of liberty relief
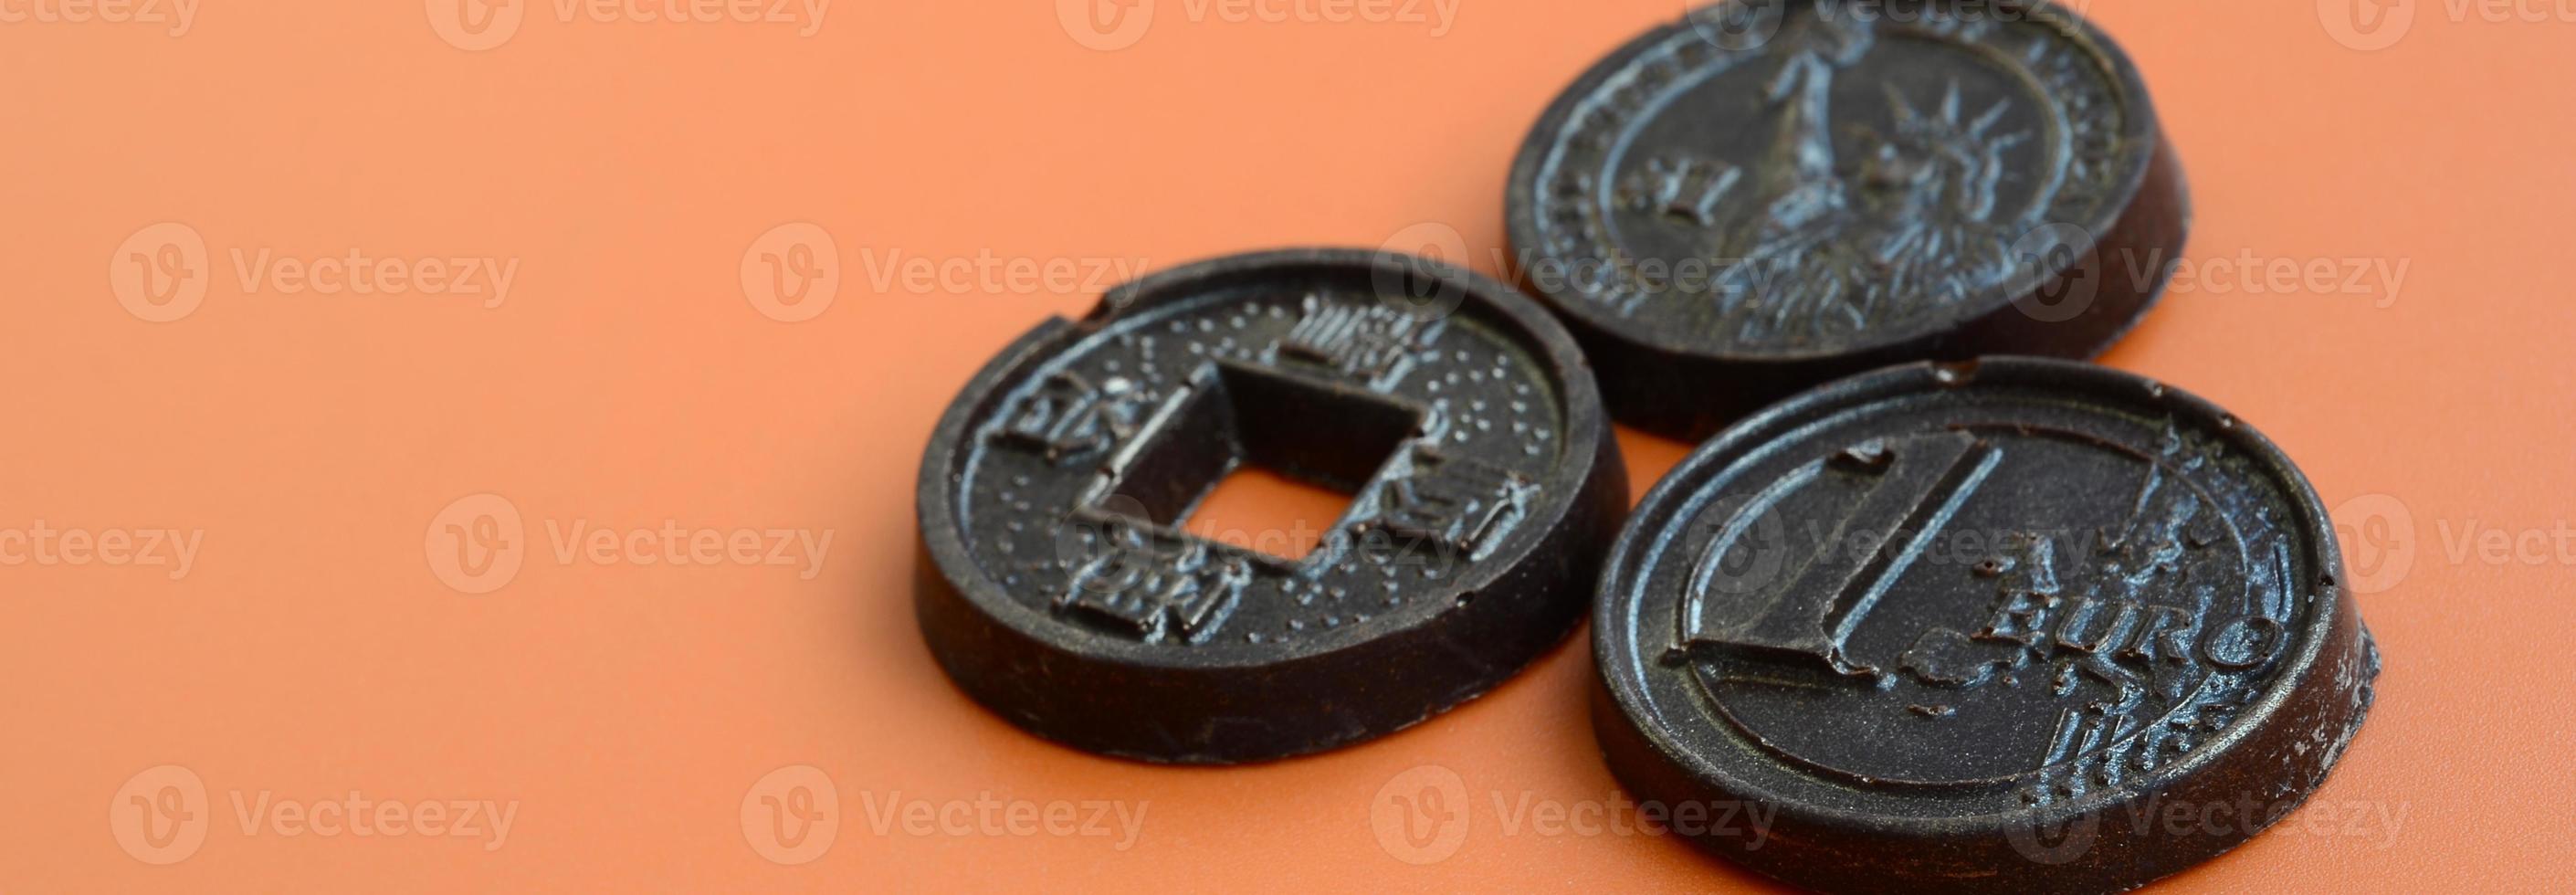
pixel 1840 245
pixel 1799 172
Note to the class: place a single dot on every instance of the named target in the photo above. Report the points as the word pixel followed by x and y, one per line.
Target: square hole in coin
pixel 1260 459
pixel 1258 509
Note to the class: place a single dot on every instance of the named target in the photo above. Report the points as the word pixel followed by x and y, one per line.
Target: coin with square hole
pixel 1067 584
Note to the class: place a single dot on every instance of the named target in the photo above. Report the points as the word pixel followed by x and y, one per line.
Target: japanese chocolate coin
pixel 1990 626
pixel 1769 194
pixel 1059 584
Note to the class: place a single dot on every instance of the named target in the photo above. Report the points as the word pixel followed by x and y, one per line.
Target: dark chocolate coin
pixel 1058 586
pixel 1769 194
pixel 2016 624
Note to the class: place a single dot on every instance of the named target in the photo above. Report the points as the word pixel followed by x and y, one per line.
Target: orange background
pixel 314 648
